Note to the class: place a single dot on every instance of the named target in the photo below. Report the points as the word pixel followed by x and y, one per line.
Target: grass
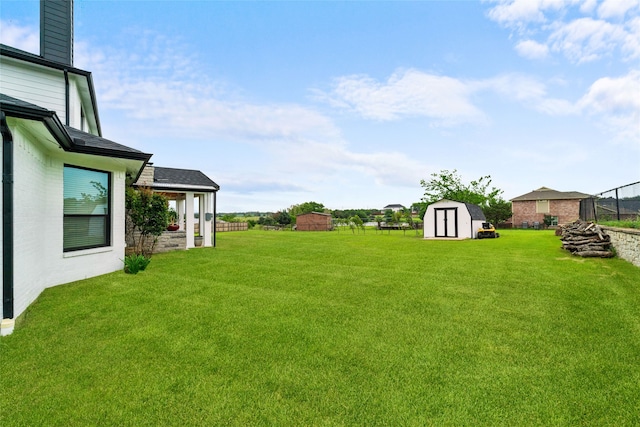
pixel 622 223
pixel 293 328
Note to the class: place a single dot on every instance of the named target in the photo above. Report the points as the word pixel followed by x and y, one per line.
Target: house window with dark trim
pixel 87 208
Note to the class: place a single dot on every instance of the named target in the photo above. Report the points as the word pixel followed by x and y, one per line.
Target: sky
pixel 352 103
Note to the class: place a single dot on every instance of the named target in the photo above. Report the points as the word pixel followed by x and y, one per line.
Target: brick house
pixel 530 209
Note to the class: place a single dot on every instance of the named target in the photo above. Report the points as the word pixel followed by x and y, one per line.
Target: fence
pixel 231 226
pixel 621 203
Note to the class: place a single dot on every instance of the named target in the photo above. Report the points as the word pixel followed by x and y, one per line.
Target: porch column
pixel 207 224
pixel 180 210
pixel 189 228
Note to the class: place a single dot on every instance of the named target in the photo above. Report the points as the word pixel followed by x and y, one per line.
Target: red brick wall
pixel 313 222
pixel 525 211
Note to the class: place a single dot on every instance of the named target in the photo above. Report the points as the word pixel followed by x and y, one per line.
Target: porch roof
pixel 177 180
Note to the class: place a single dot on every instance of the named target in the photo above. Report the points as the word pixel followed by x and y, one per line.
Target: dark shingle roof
pixel 69 138
pixel 92 144
pixel 9 101
pixel 182 179
pixel 544 193
pixel 475 211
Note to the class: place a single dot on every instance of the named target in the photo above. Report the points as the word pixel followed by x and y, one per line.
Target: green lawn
pixel 294 328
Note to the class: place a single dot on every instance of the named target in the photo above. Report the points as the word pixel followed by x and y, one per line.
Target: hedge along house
pixel 448 219
pixel 314 221
pixel 561 207
pixel 63 184
pixel 184 187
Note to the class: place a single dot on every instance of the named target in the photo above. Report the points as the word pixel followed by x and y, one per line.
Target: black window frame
pixel 107 217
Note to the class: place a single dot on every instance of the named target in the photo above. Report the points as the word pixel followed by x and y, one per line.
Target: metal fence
pixel 621 203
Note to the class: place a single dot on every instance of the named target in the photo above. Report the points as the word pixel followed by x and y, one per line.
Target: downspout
pixel 7 218
pixel 66 97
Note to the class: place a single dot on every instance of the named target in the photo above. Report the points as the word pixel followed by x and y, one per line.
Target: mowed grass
pixel 294 328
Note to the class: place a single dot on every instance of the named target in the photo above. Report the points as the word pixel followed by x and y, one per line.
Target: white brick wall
pixel 39 260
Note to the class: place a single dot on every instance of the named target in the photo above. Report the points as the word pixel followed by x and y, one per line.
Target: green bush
pixel 135 262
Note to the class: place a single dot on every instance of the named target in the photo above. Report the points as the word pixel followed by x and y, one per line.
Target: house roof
pixel 393 206
pixel 91 144
pixel 31 58
pixel 72 140
pixel 181 179
pixel 544 193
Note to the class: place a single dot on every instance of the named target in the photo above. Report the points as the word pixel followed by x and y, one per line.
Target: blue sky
pixel 351 104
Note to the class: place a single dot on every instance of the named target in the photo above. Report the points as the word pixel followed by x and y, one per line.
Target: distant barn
pixel 314 221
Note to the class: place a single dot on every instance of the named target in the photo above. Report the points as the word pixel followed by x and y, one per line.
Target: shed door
pixel 446 222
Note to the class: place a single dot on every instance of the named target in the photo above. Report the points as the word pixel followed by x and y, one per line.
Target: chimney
pixel 56 31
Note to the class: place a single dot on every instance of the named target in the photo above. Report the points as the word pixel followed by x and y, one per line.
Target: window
pixel 553 220
pixel 542 206
pixel 87 208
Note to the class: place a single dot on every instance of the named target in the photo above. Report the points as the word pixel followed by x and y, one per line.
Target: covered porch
pixel 193 195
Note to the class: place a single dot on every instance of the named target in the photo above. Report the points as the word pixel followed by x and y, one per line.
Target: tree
pixel 357 222
pixel 282 217
pixel 147 217
pixel 306 207
pixel 448 185
pixel 498 211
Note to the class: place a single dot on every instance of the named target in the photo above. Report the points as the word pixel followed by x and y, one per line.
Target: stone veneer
pixel 167 241
pixel 626 241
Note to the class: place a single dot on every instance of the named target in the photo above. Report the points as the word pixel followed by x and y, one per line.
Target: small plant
pixel 135 262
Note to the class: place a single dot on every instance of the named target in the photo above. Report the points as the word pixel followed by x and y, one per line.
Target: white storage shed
pixel 448 219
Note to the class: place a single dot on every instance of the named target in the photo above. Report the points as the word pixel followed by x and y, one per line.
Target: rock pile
pixel 586 239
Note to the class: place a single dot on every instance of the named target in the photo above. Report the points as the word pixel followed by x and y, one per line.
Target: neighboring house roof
pixel 395 206
pixel 70 139
pixel 544 193
pixel 181 180
pixel 88 89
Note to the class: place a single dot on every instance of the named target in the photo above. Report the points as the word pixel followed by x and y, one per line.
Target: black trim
pixel 446 220
pixel 67 107
pixel 7 218
pixel 49 118
pixel 109 215
pixel 38 60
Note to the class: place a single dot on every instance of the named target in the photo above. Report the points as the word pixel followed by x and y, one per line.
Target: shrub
pixel 135 262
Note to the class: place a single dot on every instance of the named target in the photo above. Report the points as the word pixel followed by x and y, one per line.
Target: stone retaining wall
pixel 626 241
pixel 167 241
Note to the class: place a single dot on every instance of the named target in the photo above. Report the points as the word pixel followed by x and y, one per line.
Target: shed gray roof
pixel 182 179
pixel 475 211
pixel 544 193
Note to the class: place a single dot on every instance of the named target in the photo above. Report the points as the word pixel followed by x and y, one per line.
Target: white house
pixel 63 186
pixel 448 219
pixel 394 207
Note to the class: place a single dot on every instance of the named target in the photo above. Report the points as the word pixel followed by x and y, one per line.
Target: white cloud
pixel 616 102
pixel 581 39
pixel 20 37
pixel 516 12
pixel 445 100
pixel 586 39
pixel 616 8
pixel 531 49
